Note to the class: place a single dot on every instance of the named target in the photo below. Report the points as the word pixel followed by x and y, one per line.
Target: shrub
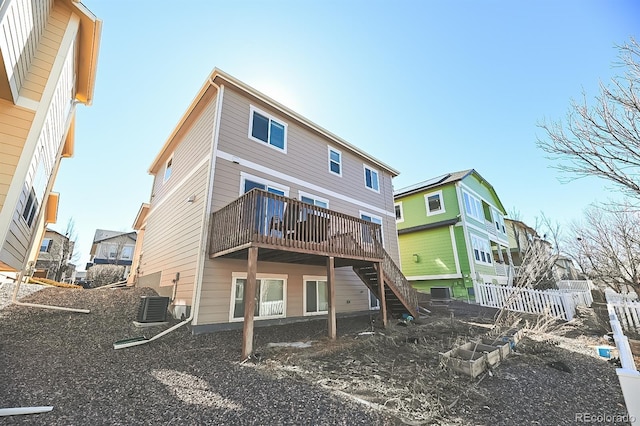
pixel 100 275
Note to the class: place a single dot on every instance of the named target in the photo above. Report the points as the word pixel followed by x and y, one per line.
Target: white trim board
pixel 433 277
pixel 258 167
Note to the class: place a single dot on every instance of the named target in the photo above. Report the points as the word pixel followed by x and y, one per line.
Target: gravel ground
pixel 66 360
pixel 6 292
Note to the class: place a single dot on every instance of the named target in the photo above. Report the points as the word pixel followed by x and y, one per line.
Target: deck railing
pixel 397 280
pixel 276 221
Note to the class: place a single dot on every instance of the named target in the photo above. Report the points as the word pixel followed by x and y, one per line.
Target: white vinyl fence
pixel 558 303
pixel 628 314
pixel 576 285
pixel 627 375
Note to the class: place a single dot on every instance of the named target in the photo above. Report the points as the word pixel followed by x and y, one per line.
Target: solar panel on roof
pixel 429 182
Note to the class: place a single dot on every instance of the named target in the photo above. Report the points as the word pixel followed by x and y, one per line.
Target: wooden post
pixel 331 295
pixel 383 297
pixel 249 302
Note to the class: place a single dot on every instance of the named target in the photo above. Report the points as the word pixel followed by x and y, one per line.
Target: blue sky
pixel 428 87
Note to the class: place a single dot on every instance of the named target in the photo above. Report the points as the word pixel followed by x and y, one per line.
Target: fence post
pixel 568 306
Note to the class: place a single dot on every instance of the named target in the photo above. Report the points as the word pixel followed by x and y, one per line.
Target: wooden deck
pixel 261 226
pixel 292 231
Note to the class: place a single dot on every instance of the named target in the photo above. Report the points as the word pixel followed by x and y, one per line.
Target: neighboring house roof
pixel 522 225
pixel 444 180
pixel 103 234
pixel 218 77
pixel 49 230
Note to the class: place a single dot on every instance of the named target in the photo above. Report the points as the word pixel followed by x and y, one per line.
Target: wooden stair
pixel 400 297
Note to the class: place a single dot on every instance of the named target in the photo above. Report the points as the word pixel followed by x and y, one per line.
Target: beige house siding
pixel 21 31
pixel 45 56
pixel 173 227
pixel 43 159
pixel 15 123
pixel 346 194
pixel 216 292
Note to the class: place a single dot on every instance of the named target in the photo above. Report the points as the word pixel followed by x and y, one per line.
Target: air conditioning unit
pixel 153 309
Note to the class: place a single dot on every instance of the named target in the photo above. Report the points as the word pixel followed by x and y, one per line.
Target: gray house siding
pixel 174 223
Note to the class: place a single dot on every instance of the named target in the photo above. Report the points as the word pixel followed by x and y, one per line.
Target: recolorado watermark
pixel 604 418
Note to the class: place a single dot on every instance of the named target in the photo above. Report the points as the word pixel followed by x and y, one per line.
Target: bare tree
pixel 606 246
pixel 602 140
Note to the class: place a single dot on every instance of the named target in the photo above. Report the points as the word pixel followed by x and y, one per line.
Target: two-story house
pixel 48 56
pixel 53 262
pixel 257 213
pixel 113 248
pixel 522 236
pixel 452 234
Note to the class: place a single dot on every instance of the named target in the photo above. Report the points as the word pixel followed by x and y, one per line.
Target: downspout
pixel 202 252
pixel 465 230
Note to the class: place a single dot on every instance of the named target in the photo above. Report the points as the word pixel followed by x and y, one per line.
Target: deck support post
pixel 331 296
pixel 249 302
pixel 383 297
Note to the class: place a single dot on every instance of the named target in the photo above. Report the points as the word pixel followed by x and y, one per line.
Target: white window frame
pixel 337 151
pixel 314 198
pixel 483 246
pixel 268 183
pixel 243 275
pixel 124 251
pixel 252 110
pixel 371 296
pixel 373 216
pixel 305 279
pixel 499 218
pixel 377 174
pixel 168 167
pixel 426 202
pixel 474 204
pixel 401 218
pixel 49 244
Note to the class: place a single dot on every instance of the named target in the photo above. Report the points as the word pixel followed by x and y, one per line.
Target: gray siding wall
pixel 215 301
pixel 306 160
pixel 305 164
pixel 174 225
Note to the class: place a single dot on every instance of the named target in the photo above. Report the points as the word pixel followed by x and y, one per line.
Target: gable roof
pixel 103 234
pixel 219 77
pixel 444 180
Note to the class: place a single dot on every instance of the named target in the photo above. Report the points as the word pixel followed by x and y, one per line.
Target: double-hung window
pixel 473 206
pixel 267 129
pixel 127 253
pixel 371 179
pixel 30 208
pixel 168 168
pixel 399 212
pixel 434 202
pixel 45 247
pixel 367 235
pixel 498 220
pixel 335 161
pixel 481 250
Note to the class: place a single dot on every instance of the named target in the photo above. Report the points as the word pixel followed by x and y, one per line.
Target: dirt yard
pixel 369 375
pixel 553 377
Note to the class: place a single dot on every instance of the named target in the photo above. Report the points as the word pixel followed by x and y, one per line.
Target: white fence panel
pixel 580 298
pixel 628 314
pixel 551 302
pixel 613 297
pixel 576 285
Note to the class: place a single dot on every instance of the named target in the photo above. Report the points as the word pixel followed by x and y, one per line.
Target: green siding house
pixel 452 234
